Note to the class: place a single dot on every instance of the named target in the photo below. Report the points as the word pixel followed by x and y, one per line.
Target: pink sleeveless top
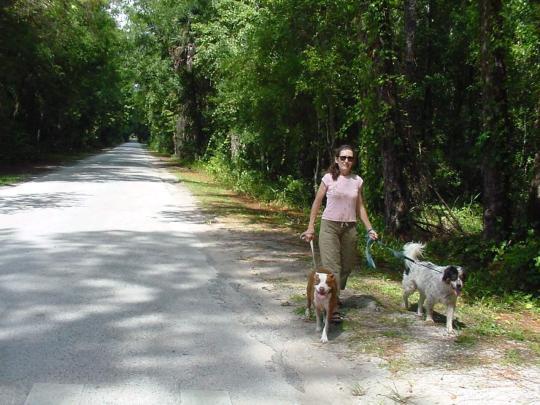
pixel 341 197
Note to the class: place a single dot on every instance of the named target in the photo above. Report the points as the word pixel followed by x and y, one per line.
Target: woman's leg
pixel 330 248
pixel 349 255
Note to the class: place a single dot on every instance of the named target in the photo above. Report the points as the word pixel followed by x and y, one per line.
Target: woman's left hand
pixel 373 234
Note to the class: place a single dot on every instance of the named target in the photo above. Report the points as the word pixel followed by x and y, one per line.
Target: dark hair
pixel 333 169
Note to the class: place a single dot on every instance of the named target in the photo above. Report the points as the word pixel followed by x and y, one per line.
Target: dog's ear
pixel 451 273
pixel 331 280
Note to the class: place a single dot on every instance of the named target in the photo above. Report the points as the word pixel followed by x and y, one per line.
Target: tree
pixel 394 143
pixel 59 82
pixel 496 137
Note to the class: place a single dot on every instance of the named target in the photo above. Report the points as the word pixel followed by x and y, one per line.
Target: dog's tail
pixel 412 250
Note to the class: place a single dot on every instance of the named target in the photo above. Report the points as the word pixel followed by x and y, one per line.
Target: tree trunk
pixel 330 128
pixel 393 143
pixel 496 127
pixel 189 139
pixel 410 34
pixel 412 104
pixel 533 206
pixel 184 138
pixel 236 145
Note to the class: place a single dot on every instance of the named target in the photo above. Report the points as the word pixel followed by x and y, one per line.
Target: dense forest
pixel 441 100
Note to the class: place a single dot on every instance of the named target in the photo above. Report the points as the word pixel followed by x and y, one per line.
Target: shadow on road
pixel 94 308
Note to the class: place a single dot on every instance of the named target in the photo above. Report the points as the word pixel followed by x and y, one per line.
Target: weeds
pixel 358 391
pixel 397 397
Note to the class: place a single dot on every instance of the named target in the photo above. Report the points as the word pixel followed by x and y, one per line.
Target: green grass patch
pixel 514 357
pixel 466 340
pixel 10 179
pixel 534 347
pixel 301 311
pixel 392 333
pixel 387 291
pixel 297 298
pixel 219 201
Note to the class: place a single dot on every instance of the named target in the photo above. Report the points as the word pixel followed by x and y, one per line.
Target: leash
pixel 313 255
pixel 397 254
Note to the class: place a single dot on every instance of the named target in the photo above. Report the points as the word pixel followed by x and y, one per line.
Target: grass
pixel 217 201
pixel 10 179
pixel 482 323
pixel 481 317
pixel 358 391
pixel 466 340
pixel 398 398
pixel 514 357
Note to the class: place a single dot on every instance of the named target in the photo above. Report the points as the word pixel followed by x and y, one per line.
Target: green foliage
pixel 509 271
pixel 59 81
pixel 441 219
pixel 275 85
pixel 286 190
pixel 517 265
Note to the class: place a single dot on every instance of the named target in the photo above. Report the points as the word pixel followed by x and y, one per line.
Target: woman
pixel 344 205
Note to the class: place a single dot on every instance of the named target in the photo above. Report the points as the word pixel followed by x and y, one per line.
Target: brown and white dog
pixel 322 294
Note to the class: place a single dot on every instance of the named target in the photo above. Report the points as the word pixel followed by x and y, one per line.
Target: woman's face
pixel 345 161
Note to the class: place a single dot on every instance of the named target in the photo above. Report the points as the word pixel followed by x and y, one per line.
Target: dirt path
pixel 379 355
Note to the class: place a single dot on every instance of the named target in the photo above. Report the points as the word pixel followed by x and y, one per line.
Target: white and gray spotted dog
pixel 434 283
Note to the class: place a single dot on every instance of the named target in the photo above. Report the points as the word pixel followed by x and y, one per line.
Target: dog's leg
pixel 308 306
pixel 324 336
pixel 409 287
pixel 407 291
pixel 310 295
pixel 318 321
pixel 450 318
pixel 420 310
pixel 429 310
pixel 405 300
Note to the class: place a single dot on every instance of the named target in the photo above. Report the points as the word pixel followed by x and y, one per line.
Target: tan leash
pixel 313 255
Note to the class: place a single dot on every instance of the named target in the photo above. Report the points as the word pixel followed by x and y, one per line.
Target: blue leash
pixel 397 254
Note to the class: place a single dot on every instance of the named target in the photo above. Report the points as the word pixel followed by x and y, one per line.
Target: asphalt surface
pixel 108 295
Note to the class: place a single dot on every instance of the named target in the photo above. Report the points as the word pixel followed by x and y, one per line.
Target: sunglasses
pixel 344 158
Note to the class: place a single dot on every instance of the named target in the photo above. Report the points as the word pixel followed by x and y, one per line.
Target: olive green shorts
pixel 337 244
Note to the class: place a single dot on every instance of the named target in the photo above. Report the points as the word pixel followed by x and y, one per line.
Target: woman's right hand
pixel 308 235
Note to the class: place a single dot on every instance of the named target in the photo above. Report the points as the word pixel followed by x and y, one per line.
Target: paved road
pixel 108 296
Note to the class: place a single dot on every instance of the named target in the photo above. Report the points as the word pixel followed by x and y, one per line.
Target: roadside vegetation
pixel 493 325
